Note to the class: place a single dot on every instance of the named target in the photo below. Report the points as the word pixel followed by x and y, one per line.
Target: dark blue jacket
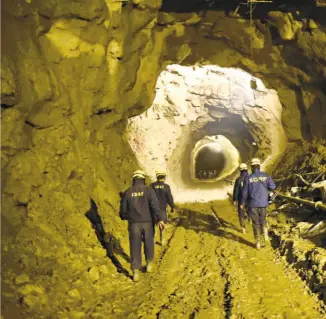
pixel 255 189
pixel 140 205
pixel 237 190
pixel 163 194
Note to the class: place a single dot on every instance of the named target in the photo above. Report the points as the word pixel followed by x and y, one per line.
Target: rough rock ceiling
pixel 195 5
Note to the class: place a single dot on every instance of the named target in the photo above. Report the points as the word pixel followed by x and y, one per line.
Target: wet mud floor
pixel 208 269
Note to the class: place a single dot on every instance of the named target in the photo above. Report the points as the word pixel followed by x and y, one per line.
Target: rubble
pixel 302 210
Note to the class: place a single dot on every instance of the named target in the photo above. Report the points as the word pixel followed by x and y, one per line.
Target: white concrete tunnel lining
pixel 221 144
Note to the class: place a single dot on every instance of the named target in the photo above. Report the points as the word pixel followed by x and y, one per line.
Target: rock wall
pixel 72 73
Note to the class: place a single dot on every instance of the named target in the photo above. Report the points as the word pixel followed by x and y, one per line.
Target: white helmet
pixel 139 174
pixel 160 173
pixel 255 161
pixel 243 167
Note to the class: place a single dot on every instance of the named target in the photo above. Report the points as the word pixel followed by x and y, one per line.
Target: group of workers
pixel 251 195
pixel 144 207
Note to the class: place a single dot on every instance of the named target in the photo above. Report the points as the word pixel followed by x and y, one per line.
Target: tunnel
pixel 210 162
pixel 211 109
pixel 213 158
pixel 92 91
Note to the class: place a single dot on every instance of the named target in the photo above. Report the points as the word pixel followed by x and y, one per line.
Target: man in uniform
pixel 140 207
pixel 164 196
pixel 255 194
pixel 237 195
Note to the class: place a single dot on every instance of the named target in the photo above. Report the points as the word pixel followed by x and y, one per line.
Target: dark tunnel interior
pixel 233 128
pixel 259 10
pixel 228 5
pixel 209 164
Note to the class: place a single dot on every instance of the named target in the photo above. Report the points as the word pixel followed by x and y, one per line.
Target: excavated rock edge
pixel 310 268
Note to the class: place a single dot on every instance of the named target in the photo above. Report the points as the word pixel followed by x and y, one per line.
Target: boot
pixel 256 236
pixel 136 275
pixel 258 244
pixel 266 234
pixel 150 267
pixel 162 240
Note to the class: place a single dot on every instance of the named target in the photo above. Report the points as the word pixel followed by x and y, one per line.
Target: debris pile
pixel 304 191
pixel 297 220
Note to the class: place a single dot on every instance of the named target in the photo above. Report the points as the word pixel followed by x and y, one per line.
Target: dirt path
pixel 207 270
pixel 211 271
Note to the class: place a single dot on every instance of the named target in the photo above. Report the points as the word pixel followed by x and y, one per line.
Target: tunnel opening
pixel 230 126
pixel 209 163
pixel 196 107
pixel 233 127
pixel 212 159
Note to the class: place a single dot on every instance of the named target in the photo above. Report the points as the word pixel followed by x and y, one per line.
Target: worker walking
pixel 140 207
pixel 164 196
pixel 255 195
pixel 237 195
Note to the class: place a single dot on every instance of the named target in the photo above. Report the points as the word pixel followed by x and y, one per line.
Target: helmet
pixel 139 174
pixel 160 173
pixel 255 161
pixel 243 167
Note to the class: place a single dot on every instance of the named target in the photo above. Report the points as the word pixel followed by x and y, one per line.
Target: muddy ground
pixel 207 269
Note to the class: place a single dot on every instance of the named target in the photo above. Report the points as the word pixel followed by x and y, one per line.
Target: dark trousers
pixel 164 214
pixel 258 216
pixel 242 216
pixel 138 233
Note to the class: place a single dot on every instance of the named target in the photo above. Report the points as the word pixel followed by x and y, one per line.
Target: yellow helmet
pixel 139 174
pixel 160 173
pixel 243 167
pixel 255 161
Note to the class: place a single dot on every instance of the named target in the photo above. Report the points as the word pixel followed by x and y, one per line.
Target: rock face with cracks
pixel 72 73
pixel 192 102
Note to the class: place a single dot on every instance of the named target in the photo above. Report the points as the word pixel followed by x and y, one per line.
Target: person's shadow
pixel 107 240
pixel 212 224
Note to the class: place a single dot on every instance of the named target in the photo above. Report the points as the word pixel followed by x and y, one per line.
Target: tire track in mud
pixel 199 293
pixel 126 301
pixel 172 273
pixel 184 285
pixel 227 295
pixel 256 284
pixel 259 285
pixel 168 244
pixel 210 270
